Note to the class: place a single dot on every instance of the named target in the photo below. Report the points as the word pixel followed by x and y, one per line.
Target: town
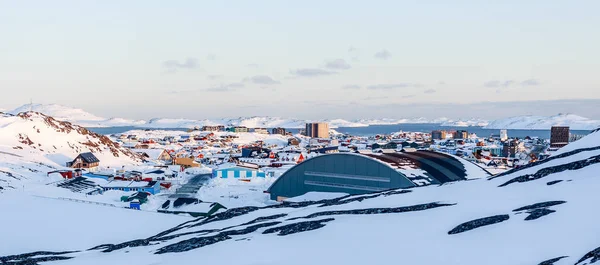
pixel 224 166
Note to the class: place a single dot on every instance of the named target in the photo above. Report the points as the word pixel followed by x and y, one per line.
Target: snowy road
pixel 192 186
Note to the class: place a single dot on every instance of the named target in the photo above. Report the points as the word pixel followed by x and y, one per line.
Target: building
pixel 154 154
pixel 509 149
pixel 186 162
pixel 260 130
pixel 278 130
pixel 238 129
pixel 152 187
pixel 214 128
pixel 85 160
pixel 461 134
pixel 353 173
pixel 559 136
pixel 390 145
pixel 238 171
pixel 317 130
pixel 503 135
pixel 438 135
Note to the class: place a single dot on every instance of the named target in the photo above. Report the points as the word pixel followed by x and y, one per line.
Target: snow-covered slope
pixel 32 143
pixel 544 123
pixel 540 214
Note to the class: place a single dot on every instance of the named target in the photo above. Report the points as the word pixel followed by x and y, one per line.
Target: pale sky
pixel 303 59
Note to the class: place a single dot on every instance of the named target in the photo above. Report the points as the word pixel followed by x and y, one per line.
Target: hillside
pixel 540 214
pixel 32 144
pixel 544 123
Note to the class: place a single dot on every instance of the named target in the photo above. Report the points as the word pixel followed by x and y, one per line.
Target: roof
pixel 151 153
pixel 130 184
pixel 89 157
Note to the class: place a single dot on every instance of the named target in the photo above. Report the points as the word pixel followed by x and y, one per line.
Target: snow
pixel 36 223
pixel 544 122
pixel 410 236
pixel 316 196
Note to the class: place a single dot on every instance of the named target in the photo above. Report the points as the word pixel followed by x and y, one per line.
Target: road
pixel 189 189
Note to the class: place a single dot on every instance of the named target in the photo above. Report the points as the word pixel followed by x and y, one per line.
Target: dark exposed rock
pixel 298 227
pixel 31 259
pixel 552 261
pixel 198 242
pixel 35 261
pixel 413 208
pixel 265 218
pixel 112 247
pixel 537 213
pixel 555 169
pixel 539 205
pixel 192 243
pixel 554 182
pixel 593 256
pixel 479 223
pixel 166 204
pixel 32 254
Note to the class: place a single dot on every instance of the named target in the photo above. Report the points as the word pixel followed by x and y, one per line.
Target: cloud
pixel 214 77
pixel 225 88
pixel 392 86
pixel 311 72
pixel 375 98
pixel 383 54
pixel 211 57
pixel 337 64
pixel 262 80
pixel 252 65
pixel 430 91
pixel 408 96
pixel 352 49
pixel 531 82
pixel 351 87
pixel 499 83
pixel 174 65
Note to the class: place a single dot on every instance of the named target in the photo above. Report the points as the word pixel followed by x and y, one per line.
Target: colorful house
pixel 152 187
pixel 238 172
pixel 85 160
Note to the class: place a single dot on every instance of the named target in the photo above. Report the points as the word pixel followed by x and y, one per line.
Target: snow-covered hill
pixel 540 214
pixel 32 144
pixel 544 123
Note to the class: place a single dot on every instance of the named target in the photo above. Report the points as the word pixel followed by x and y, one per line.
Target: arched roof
pixel 340 172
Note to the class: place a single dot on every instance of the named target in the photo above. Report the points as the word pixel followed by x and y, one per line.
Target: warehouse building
pixel 354 173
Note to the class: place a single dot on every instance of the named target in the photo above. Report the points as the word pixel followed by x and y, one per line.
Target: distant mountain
pixel 544 122
pixel 75 115
pixel 83 118
pixel 465 123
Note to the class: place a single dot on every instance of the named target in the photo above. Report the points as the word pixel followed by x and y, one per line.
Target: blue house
pixel 98 176
pixel 238 172
pixel 152 187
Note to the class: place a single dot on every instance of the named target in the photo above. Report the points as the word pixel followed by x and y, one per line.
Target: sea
pixel 379 129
